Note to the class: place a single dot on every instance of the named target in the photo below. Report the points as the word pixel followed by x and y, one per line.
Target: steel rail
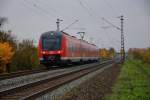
pixel 20 73
pixel 33 90
pixel 26 72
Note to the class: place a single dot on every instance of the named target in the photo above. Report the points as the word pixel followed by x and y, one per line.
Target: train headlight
pixel 43 52
pixel 59 52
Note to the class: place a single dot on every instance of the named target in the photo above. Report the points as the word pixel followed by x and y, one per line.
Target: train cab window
pixel 51 43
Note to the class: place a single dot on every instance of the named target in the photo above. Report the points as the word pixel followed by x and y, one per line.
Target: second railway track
pixel 36 89
pixel 26 72
pixel 21 73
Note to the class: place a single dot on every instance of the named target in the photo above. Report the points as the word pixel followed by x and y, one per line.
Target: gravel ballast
pixel 58 93
pixel 27 79
pixel 95 88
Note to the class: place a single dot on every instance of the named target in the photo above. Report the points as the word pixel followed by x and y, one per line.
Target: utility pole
pixel 70 25
pixel 58 22
pixel 122 51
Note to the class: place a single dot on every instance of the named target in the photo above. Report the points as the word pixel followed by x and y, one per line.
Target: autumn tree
pixel 8 37
pixel 140 53
pixel 146 55
pixel 6 54
pixel 7 47
pixel 19 55
pixel 104 53
pixel 111 52
pixel 8 44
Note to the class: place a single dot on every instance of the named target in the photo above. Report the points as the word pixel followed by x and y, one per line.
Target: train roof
pixel 47 33
pixel 59 33
pixel 77 38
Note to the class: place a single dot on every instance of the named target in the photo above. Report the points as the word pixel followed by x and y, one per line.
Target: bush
pixel 105 54
pixel 25 57
pixel 140 53
pixel 146 55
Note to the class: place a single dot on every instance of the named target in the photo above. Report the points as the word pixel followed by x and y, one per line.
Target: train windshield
pixel 51 43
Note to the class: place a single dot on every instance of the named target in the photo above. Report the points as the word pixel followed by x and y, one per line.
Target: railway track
pixel 26 72
pixel 21 73
pixel 36 89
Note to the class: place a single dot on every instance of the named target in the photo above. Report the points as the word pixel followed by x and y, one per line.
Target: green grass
pixel 133 82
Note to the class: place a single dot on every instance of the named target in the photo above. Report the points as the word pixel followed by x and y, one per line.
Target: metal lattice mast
pixel 122 49
pixel 122 41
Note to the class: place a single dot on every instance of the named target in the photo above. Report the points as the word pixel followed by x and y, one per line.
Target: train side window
pixel 73 47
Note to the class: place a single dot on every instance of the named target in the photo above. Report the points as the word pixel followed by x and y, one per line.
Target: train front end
pixel 50 48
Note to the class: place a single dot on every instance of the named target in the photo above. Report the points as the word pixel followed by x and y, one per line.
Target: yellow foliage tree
pixel 146 56
pixel 140 53
pixel 6 54
pixel 111 52
pixel 104 53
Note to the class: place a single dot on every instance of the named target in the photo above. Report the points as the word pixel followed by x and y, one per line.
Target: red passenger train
pixel 56 47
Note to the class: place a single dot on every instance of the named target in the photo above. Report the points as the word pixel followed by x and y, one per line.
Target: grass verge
pixel 133 82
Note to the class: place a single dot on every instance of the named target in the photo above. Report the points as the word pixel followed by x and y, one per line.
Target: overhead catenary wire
pixel 118 28
pixel 40 8
pixel 37 6
pixel 89 10
pixel 84 7
pixel 32 9
pixel 122 50
pixel 107 2
pixel 70 25
pixel 84 4
pixel 58 13
pixel 100 16
pixel 47 5
pixel 112 41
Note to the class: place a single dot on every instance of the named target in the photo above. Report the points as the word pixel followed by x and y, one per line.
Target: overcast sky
pixel 28 19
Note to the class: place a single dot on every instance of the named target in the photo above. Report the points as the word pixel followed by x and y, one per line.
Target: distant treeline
pixel 140 53
pixel 107 53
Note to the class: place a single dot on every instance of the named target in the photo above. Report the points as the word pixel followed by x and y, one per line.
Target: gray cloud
pixel 30 18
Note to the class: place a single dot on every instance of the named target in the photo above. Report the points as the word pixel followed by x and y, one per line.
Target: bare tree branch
pixel 2 21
